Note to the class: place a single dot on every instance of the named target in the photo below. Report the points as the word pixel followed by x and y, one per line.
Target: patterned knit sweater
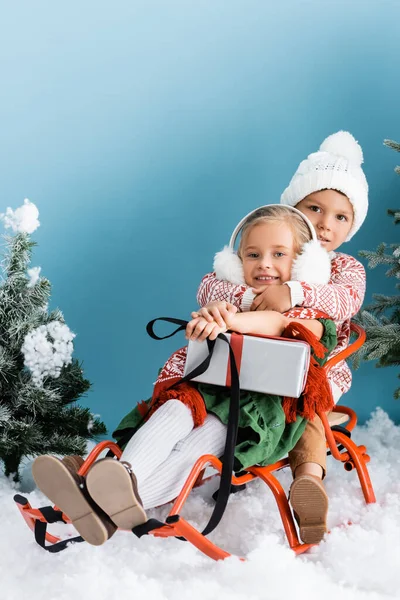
pixel 340 299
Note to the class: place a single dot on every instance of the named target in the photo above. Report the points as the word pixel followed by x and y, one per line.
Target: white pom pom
pixel 343 144
pixel 313 265
pixel 228 266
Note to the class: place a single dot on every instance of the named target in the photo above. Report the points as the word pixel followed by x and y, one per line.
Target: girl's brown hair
pixel 278 214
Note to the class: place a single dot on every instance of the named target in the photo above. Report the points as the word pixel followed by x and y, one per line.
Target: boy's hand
pixel 272 297
pixel 199 329
pixel 213 312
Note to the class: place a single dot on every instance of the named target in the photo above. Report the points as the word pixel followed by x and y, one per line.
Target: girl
pixel 189 420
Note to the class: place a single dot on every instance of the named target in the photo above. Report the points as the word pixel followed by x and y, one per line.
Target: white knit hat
pixel 312 265
pixel 336 166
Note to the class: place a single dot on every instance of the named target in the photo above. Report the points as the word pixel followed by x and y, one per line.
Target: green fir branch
pixel 383 303
pixel 395 213
pixel 18 255
pixel 71 384
pixel 378 257
pixel 381 320
pixel 392 144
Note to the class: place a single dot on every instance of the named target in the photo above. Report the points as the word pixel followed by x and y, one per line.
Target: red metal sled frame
pixel 353 456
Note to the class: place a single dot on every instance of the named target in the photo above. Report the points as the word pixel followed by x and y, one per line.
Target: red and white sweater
pixel 340 299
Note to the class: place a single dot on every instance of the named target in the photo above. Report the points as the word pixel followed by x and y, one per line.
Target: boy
pixel 330 188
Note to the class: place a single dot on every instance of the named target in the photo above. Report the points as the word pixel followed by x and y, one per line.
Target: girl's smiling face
pixel 332 215
pixel 267 252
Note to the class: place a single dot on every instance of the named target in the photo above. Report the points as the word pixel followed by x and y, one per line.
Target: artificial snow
pixel 357 562
pixel 47 349
pixel 23 219
pixel 34 276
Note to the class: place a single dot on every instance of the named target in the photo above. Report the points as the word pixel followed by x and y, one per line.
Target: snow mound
pixel 353 563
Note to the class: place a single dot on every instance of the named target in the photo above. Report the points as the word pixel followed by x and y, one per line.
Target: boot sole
pixel 116 497
pixel 310 505
pixel 55 480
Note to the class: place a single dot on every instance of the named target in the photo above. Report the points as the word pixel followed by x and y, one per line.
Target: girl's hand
pixel 230 317
pixel 199 329
pixel 212 312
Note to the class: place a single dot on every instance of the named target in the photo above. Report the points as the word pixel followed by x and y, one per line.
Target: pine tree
pixel 39 380
pixel 381 320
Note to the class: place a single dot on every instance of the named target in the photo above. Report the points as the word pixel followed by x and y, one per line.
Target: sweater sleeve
pixel 212 289
pixel 343 296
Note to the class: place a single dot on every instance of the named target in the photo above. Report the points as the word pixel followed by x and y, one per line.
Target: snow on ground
pixel 354 562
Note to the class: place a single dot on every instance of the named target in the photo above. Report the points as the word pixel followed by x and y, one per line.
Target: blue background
pixel 145 130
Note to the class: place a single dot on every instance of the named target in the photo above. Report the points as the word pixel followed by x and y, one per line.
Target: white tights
pixel 163 451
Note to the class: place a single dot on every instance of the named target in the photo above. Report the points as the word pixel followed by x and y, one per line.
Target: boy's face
pixel 267 254
pixel 332 215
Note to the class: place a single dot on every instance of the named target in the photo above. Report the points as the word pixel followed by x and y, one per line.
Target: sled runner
pixel 338 427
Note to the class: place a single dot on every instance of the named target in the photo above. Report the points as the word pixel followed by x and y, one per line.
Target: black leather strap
pixel 202 367
pixel 233 418
pixel 51 515
pixel 145 528
pixel 40 537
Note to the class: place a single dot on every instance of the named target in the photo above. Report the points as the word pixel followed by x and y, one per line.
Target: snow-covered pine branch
pixel 40 382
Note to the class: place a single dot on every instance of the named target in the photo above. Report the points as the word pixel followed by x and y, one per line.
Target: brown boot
pixel 58 479
pixel 113 486
pixel 73 462
pixel 309 501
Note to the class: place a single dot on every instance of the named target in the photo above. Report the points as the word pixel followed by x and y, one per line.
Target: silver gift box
pixel 267 365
